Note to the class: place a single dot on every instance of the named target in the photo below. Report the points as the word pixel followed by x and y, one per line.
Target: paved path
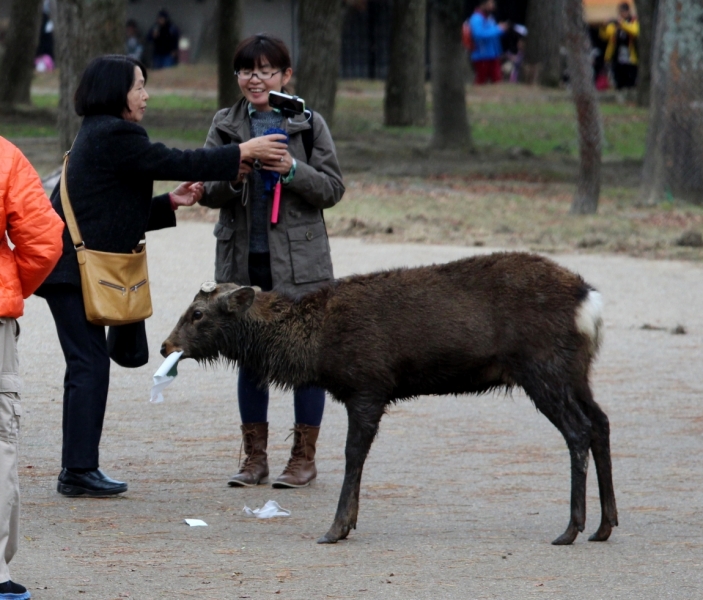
pixel 460 496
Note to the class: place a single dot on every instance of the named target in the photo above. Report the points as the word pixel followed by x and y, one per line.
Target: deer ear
pixel 239 300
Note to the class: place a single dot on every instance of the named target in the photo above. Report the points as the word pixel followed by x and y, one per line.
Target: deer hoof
pixel 335 534
pixel 327 540
pixel 602 534
pixel 567 538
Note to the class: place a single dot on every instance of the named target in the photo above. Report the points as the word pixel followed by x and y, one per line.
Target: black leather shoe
pixel 93 483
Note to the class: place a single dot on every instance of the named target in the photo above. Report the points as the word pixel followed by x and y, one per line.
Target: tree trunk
pixel 405 102
pixel 545 28
pixel 673 165
pixel 84 29
pixel 229 26
pixel 646 14
pixel 449 70
pixel 320 28
pixel 583 90
pixel 17 63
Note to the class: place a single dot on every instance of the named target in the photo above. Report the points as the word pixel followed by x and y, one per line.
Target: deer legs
pixel 585 427
pixel 600 448
pixel 579 467
pixel 560 407
pixel 569 407
pixel 364 418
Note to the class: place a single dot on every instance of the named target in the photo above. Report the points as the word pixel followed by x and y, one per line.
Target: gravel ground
pixel 460 497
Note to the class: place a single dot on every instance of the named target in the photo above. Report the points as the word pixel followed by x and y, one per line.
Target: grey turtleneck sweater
pixel 258 236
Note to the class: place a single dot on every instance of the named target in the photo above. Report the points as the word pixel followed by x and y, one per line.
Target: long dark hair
pixel 105 84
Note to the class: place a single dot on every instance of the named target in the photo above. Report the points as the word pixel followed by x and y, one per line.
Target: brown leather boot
pixel 300 470
pixel 255 468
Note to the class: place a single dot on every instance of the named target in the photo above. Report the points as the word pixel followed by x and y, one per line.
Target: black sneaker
pixel 94 484
pixel 13 591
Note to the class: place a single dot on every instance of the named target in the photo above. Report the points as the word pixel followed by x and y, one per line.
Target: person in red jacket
pixel 34 228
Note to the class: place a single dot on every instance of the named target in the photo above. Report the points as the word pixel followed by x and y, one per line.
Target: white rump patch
pixel 589 318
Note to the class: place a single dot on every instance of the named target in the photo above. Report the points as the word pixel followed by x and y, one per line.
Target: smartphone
pixel 288 105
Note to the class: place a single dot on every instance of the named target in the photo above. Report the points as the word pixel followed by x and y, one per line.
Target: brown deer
pixel 470 326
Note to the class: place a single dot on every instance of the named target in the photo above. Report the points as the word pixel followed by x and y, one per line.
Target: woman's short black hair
pixel 250 51
pixel 105 84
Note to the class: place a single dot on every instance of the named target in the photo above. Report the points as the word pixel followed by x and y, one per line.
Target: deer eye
pixel 197 315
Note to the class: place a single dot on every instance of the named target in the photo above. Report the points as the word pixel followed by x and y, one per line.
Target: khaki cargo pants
pixel 10 411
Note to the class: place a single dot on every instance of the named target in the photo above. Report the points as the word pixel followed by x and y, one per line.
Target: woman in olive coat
pixel 291 256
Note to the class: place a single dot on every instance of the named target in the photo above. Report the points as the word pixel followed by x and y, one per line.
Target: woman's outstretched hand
pixel 267 148
pixel 187 194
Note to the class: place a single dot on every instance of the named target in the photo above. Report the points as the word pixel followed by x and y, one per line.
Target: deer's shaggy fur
pixel 495 321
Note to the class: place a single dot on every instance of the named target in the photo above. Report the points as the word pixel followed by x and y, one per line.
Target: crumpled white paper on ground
pixel 165 374
pixel 196 523
pixel 268 510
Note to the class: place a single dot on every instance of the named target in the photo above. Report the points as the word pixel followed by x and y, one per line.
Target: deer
pixel 471 326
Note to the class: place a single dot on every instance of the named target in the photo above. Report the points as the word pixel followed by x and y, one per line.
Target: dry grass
pixel 511 214
pixel 514 192
pixel 506 213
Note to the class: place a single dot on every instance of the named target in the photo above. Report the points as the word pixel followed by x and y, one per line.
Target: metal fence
pixel 367 33
pixel 366 40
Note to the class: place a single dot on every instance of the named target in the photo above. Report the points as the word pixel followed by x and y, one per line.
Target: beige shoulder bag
pixel 115 286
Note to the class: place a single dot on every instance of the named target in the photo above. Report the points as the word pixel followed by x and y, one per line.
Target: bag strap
pixel 76 237
pixel 308 138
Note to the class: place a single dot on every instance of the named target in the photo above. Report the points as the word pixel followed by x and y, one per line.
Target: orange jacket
pixel 34 228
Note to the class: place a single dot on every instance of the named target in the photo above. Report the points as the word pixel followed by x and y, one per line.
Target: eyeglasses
pixel 247 74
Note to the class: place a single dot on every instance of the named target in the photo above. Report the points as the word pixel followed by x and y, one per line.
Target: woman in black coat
pixel 110 178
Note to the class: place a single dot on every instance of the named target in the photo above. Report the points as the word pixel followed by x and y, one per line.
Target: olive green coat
pixel 300 251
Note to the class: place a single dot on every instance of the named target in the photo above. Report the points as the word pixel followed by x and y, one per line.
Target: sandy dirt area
pixel 460 496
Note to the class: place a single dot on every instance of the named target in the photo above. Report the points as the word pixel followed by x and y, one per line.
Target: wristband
pixel 285 179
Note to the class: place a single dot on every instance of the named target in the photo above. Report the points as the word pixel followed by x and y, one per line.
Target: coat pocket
pixel 224 252
pixel 310 254
pixel 10 413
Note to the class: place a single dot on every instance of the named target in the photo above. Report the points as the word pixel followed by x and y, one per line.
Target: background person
pixel 110 179
pixel 34 229
pixel 133 42
pixel 164 37
pixel 621 51
pixel 515 52
pixel 486 42
pixel 46 32
pixel 293 257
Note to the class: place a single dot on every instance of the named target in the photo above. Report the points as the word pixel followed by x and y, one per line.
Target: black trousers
pixel 87 376
pixel 625 75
